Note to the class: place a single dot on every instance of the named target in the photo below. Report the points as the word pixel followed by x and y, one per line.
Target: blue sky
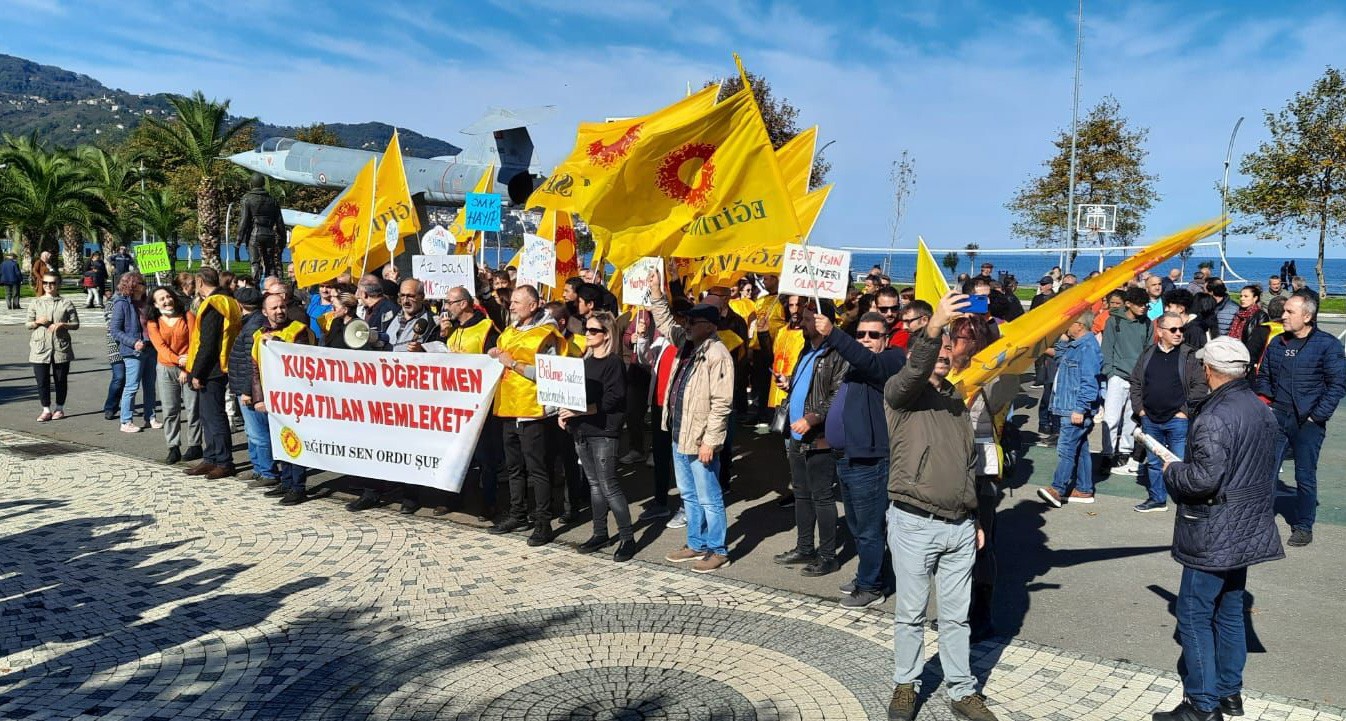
pixel 975 90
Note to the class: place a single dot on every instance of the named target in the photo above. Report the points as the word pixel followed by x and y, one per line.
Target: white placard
pixel 407 417
pixel 635 280
pixel 560 382
pixel 804 268
pixel 438 241
pixel 537 262
pixel 439 273
pixel 390 235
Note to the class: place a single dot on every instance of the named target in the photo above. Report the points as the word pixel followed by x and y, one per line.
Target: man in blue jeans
pixel 255 425
pixel 1303 372
pixel 700 397
pixel 1166 384
pixel 1225 492
pixel 1075 399
pixel 857 430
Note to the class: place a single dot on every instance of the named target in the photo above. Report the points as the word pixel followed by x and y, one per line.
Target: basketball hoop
pixel 1096 218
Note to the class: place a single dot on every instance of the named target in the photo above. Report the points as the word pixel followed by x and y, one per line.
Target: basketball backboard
pixel 1096 218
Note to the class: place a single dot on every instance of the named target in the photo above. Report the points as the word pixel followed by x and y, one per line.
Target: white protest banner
pixel 439 273
pixel 635 280
pixel 406 417
pixel 560 382
pixel 806 268
pixel 438 241
pixel 537 262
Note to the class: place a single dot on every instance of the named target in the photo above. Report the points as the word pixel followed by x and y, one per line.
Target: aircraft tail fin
pixel 512 148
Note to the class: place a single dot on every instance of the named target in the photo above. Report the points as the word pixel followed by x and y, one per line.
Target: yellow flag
pixel 602 149
pixel 709 186
pixel 392 203
pixel 1023 339
pixel 726 268
pixel 321 254
pixel 796 161
pixel 930 282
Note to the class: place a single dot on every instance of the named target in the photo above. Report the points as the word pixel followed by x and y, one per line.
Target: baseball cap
pixel 248 296
pixel 1225 354
pixel 704 311
pixel 1046 280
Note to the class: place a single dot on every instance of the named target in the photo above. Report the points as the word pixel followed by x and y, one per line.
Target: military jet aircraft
pixel 501 140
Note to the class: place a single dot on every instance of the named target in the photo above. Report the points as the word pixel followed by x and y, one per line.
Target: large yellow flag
pixel 796 161
pixel 1023 339
pixel 930 282
pixel 469 241
pixel 392 204
pixel 602 149
pixel 727 268
pixel 708 186
pixel 321 254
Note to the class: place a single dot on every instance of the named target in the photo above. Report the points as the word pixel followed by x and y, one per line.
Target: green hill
pixel 67 108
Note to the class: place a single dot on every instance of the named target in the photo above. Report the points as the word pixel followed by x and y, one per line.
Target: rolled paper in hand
pixel 1155 446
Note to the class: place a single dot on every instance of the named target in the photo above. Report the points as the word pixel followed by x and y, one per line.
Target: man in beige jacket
pixel 697 403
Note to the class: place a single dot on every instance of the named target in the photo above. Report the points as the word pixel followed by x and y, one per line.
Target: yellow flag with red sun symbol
pixel 392 204
pixel 322 253
pixel 602 149
pixel 712 185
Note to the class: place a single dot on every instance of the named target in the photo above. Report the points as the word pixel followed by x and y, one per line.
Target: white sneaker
pixel 679 520
pixel 1131 468
pixel 130 428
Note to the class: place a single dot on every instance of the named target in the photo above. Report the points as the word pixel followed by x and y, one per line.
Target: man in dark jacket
pixel 255 424
pixel 932 518
pixel 813 471
pixel 1303 372
pixel 1165 385
pixel 376 310
pixel 857 431
pixel 261 227
pixel 217 324
pixel 11 277
pixel 1225 523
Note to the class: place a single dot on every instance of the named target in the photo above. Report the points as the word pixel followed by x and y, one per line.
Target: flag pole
pixel 369 238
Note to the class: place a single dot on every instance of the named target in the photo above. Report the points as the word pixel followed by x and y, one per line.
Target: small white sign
pixel 1096 218
pixel 810 270
pixel 635 280
pixel 438 241
pixel 537 262
pixel 560 382
pixel 390 235
pixel 439 273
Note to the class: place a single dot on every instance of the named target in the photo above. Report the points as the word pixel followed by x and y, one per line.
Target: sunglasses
pixel 1175 329
pixel 48 282
pixel 912 319
pixel 870 334
pixel 886 308
pixel 594 331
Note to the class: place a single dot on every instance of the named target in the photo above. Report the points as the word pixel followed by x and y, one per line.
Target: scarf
pixel 1241 319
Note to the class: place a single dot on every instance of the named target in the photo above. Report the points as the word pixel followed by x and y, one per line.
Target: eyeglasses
pixel 451 301
pixel 870 334
pixel 594 331
pixel 913 318
pixel 408 295
pixel 886 308
pixel 48 282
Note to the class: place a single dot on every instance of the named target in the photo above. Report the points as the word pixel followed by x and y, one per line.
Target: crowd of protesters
pixel 857 391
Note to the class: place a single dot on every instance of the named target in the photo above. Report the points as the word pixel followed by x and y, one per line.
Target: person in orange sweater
pixel 170 329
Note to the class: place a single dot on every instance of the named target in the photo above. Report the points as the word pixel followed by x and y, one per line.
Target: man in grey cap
pixel 1225 491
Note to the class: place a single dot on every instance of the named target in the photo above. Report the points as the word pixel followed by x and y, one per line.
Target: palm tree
pixel 163 213
pixel 970 250
pixel 115 178
pixel 46 195
pixel 951 262
pixel 196 138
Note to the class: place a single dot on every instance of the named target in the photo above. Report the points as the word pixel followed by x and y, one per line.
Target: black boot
pixel 174 455
pixel 1187 712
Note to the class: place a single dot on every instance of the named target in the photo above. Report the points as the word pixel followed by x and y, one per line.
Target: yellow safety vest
pixel 469 339
pixel 287 334
pixel 516 396
pixel 730 339
pixel 786 354
pixel 771 312
pixel 228 308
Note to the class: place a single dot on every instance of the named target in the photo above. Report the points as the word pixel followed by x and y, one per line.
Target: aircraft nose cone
pixel 246 159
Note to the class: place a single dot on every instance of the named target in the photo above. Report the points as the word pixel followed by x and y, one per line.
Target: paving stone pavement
pixel 131 591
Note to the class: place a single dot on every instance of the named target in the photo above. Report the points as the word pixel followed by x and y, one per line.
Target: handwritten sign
pixel 636 279
pixel 537 262
pixel 439 273
pixel 438 241
pixel 810 270
pixel 152 258
pixel 482 212
pixel 560 382
pixel 391 236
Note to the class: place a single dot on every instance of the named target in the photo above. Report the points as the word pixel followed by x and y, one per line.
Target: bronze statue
pixel 262 228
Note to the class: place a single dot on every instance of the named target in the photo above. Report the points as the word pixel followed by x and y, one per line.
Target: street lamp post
pixel 1224 196
pixel 1074 137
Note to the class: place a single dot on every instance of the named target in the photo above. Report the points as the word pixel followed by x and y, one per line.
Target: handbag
pixel 88 280
pixel 780 423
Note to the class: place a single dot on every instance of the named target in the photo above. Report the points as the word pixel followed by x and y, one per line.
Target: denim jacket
pixel 1077 377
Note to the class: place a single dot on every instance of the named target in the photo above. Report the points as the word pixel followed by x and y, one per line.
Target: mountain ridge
pixel 68 108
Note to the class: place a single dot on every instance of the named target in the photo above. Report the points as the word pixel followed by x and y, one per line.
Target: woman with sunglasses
pixel 51 318
pixel 127 327
pixel 596 430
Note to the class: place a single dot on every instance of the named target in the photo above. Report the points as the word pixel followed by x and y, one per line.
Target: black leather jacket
pixel 828 371
pixel 261 219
